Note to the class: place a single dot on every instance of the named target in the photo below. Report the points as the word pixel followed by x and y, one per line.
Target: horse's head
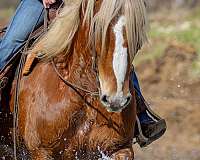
pixel 119 32
pixel 114 66
pixel 117 29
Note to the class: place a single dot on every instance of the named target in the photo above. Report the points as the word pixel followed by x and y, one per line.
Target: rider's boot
pixel 150 126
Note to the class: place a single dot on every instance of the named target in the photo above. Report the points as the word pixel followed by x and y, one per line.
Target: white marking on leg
pixel 120 58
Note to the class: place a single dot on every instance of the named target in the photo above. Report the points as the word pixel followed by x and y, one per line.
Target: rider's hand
pixel 47 3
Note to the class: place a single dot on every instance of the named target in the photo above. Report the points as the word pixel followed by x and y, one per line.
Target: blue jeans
pixel 143 116
pixel 29 15
pixel 135 83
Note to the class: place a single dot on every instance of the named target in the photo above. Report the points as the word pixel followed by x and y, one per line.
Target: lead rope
pixel 18 74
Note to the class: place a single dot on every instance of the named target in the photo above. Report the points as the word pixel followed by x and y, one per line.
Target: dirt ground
pixel 173 92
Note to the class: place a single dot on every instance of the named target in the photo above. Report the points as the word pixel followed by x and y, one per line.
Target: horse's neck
pixel 78 66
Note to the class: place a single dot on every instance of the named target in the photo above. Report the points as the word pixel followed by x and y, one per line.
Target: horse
pixel 77 102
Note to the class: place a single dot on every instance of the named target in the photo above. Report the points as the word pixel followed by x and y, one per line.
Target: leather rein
pixel 72 85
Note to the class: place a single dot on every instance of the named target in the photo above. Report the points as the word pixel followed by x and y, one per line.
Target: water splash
pixel 104 156
pixel 99 155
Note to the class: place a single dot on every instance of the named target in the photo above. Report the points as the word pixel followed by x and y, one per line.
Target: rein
pixel 18 74
pixel 70 84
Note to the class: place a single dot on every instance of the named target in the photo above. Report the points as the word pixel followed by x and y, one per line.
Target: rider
pixel 28 16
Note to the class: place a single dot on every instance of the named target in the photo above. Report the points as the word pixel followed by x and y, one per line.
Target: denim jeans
pixel 135 83
pixel 29 15
pixel 143 116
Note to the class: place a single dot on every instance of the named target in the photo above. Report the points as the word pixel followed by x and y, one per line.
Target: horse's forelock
pixel 136 21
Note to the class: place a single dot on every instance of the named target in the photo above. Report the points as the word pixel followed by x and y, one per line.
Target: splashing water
pixel 104 157
pixel 100 153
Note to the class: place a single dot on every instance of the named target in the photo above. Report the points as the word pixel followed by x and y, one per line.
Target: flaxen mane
pixel 60 35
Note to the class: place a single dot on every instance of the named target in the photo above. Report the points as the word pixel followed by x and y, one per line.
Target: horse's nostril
pixel 104 99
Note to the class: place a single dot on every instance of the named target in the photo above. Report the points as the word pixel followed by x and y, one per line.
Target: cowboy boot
pixel 150 126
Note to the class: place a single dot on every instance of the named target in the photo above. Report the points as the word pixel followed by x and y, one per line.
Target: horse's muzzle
pixel 115 103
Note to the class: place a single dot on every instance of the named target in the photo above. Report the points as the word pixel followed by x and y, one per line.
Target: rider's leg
pixel 29 14
pixel 152 126
pixel 143 116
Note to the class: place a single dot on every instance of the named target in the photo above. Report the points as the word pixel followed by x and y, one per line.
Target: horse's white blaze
pixel 120 57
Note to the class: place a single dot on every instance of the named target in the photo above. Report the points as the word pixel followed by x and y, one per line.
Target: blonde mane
pixel 60 35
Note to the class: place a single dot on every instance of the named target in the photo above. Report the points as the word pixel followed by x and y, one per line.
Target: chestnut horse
pixel 61 116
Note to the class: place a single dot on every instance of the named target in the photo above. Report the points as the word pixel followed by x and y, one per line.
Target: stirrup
pixel 144 141
pixel 3 82
pixel 160 126
pixel 151 112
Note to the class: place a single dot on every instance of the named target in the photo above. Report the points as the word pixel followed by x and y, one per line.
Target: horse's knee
pixel 124 154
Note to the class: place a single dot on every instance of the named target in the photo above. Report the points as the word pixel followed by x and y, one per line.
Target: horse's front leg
pixel 124 154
